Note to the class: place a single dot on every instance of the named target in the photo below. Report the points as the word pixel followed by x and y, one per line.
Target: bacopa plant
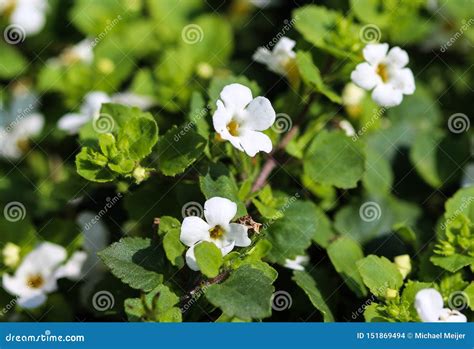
pixel 191 160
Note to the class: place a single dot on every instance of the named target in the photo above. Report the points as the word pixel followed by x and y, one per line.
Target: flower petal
pixel 14 285
pixel 72 122
pixel 375 53
pixel 365 76
pixel 448 315
pixel 134 100
pixel 33 300
pixel 193 230
pixel 259 114
pixel 93 102
pixel 73 268
pixel 221 118
pixel 45 257
pixel 219 211
pixel 239 234
pixel 386 95
pixel 31 18
pixel 285 45
pixel 404 80
pixel 254 141
pixel 236 97
pixel 397 57
pixel 429 304
pixel 262 55
pixel 191 259
pixel 227 248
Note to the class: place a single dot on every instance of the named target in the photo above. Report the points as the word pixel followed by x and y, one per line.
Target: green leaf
pixel 469 292
pixel 246 294
pixel 135 261
pixel 409 294
pixel 379 275
pixel 461 203
pixel 13 63
pixel 308 285
pixel 312 76
pixel 223 186
pixel 198 113
pixel 378 177
pixel 178 149
pixel 93 166
pixel 208 258
pixel 138 136
pixel 168 224
pixel 335 159
pixel 158 305
pixel 452 263
pixel 291 235
pixel 173 247
pixel 344 254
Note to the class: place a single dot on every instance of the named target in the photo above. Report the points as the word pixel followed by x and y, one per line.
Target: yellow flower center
pixel 216 232
pixel 382 71
pixel 9 7
pixel 233 128
pixel 35 281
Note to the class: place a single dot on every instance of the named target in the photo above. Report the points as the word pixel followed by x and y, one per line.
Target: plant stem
pixel 271 163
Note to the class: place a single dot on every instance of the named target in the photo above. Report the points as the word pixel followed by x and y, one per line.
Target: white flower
pixel 352 95
pixel 217 229
pixel 384 72
pixel 263 3
pixel 18 124
pixel 298 263
pixel 11 254
pixel 429 305
pixel 30 15
pixel 347 127
pixel 280 59
pixel 240 119
pixel 38 273
pixel 90 108
pixel 82 52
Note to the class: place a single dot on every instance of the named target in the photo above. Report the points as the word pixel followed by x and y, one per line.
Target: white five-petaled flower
pixel 29 15
pixel 240 118
pixel 297 264
pixel 83 51
pixel 280 59
pixel 18 123
pixel 429 305
pixel 384 71
pixel 90 108
pixel 39 271
pixel 217 228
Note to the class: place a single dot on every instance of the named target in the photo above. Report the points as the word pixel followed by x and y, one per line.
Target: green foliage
pixel 246 294
pixel 208 258
pixel 379 275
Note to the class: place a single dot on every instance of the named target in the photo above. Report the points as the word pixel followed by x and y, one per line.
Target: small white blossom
pixel 280 59
pixel 347 127
pixel 384 71
pixel 30 15
pixel 429 305
pixel 297 264
pixel 217 228
pixel 38 273
pixel 83 51
pixel 90 108
pixel 18 124
pixel 240 118
pixel 352 95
